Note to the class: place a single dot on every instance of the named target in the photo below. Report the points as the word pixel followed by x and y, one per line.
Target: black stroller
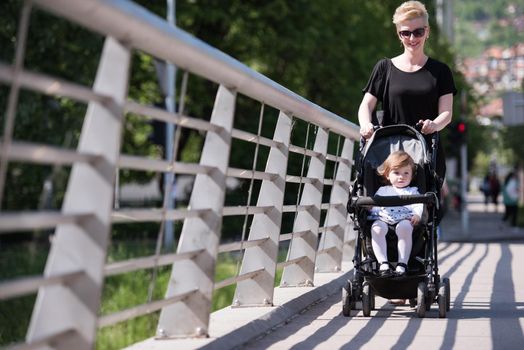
pixel 422 284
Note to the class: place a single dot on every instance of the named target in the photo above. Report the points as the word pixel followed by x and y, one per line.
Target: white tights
pixel 404 229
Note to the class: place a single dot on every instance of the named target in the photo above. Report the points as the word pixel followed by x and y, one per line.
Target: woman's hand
pixel 415 219
pixel 366 130
pixel 365 110
pixel 428 126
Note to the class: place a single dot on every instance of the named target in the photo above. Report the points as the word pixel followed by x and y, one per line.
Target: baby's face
pixel 400 177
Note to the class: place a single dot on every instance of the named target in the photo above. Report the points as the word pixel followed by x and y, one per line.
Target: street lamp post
pixel 169 177
pixel 464 187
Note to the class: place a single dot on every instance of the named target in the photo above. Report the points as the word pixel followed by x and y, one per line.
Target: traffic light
pixel 457 132
pixel 461 131
pixel 461 128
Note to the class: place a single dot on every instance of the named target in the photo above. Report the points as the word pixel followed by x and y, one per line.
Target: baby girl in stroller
pixel 398 169
pixel 396 246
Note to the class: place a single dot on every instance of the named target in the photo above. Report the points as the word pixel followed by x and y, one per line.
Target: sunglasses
pixel 417 33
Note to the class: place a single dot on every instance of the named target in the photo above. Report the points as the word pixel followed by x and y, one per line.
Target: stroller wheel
pixel 448 292
pixel 347 299
pixel 429 300
pixel 413 303
pixel 442 300
pixel 367 295
pixel 431 296
pixel 421 299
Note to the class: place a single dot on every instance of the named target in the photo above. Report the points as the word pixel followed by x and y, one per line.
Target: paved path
pixel 486 269
pixel 484 224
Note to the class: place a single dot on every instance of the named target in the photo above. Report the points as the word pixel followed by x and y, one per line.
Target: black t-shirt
pixel 411 96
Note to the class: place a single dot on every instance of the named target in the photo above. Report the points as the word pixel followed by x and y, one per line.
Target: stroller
pixel 422 284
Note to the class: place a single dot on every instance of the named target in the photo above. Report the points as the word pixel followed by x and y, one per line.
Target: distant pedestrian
pixel 494 188
pixel 486 190
pixel 510 197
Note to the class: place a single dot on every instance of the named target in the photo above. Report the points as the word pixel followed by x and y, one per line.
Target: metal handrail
pixel 147 262
pixel 127 26
pixel 154 214
pixel 31 220
pixel 51 85
pixel 28 285
pixel 132 24
pixel 142 309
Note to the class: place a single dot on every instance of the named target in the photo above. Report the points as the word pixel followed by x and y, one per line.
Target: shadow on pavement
pixel 483 224
pixel 502 325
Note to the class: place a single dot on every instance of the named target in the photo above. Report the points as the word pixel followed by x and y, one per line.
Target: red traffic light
pixel 457 132
pixel 461 127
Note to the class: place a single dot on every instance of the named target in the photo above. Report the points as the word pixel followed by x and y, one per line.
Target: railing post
pixel 259 290
pixel 82 246
pixel 190 317
pixel 301 273
pixel 329 256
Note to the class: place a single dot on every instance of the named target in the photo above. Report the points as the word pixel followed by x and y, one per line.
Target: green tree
pixel 482 24
pixel 512 137
pixel 60 48
pixel 324 51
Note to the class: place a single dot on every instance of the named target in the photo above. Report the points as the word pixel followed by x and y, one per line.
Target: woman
pixel 412 87
pixel 418 89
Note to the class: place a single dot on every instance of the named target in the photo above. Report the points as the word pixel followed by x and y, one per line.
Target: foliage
pixel 479 26
pixel 69 52
pixel 493 144
pixel 322 51
pixel 512 137
pixel 17 260
pixel 120 292
pixel 292 42
pixel 483 24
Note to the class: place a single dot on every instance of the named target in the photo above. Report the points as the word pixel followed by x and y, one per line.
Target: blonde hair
pixel 410 10
pixel 396 160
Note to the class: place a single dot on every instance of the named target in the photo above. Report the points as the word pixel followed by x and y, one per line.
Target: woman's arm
pixel 445 112
pixel 364 114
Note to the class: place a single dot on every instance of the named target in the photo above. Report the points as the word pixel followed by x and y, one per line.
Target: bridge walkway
pixel 487 299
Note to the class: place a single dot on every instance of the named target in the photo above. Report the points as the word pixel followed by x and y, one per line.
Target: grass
pixel 120 292
pixel 19 260
pixel 124 291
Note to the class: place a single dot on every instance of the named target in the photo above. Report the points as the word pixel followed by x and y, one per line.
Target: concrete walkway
pixel 485 266
pixel 487 311
pixel 483 224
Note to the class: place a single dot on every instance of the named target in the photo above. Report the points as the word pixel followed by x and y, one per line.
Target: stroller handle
pixel 389 201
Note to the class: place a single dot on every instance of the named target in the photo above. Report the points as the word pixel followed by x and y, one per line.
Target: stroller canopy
pixel 389 139
pixel 395 138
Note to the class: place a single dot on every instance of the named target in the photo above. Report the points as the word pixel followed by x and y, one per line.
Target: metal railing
pixel 66 312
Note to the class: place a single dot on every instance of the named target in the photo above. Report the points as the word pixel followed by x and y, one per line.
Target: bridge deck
pixel 486 311
pixel 485 266
pixel 231 327
pixel 487 299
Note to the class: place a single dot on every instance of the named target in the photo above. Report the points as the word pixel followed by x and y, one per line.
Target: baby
pixel 398 170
